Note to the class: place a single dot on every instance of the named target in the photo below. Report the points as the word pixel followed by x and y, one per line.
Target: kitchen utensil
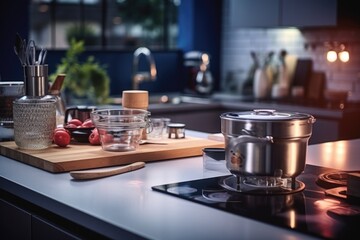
pixel 42 56
pixel 57 84
pixel 31 53
pixel 265 142
pixel 120 129
pixel 20 49
pixel 105 172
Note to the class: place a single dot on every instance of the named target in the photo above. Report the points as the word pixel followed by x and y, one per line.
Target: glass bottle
pixel 35 113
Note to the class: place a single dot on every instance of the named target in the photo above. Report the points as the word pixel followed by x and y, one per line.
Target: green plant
pixel 88 79
pixel 82 33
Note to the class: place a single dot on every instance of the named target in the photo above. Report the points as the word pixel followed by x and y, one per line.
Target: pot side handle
pixel 248 138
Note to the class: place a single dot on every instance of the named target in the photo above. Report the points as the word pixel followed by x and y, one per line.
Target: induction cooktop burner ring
pixel 233 184
pixel 333 179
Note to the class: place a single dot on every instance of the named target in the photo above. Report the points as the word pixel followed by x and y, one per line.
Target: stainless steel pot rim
pixel 265 115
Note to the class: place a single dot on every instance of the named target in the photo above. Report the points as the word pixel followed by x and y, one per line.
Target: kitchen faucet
pixel 137 76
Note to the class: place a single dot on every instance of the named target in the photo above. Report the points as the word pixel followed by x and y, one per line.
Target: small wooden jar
pixel 137 99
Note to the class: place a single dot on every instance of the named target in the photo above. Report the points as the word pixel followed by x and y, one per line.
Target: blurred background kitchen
pixel 310 49
pixel 111 31
pixel 227 30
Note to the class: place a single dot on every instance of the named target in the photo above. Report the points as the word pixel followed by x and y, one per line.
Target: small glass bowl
pixel 120 129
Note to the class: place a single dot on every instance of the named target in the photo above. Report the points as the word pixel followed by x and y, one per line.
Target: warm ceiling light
pixel 331 56
pixel 344 56
pixel 343 53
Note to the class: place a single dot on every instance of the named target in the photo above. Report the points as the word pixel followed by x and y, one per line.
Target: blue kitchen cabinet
pixel 43 229
pixel 282 13
pixel 15 223
pixel 20 219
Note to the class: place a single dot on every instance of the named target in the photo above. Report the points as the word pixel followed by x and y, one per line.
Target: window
pixel 105 24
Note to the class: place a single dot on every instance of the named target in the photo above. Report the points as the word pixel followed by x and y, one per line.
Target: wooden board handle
pixel 99 173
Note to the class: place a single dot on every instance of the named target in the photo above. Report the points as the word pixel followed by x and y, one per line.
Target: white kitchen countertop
pixel 117 205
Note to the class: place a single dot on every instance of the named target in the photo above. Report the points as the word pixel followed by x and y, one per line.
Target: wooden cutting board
pixel 85 156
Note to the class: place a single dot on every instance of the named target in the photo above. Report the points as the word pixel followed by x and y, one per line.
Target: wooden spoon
pixel 105 172
pixel 56 86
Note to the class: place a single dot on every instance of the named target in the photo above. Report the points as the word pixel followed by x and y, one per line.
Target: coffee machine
pixel 198 76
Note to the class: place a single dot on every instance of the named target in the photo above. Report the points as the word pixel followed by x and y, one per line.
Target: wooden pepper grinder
pixel 138 99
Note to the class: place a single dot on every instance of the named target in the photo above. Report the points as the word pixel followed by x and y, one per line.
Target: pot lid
pixel 266 114
pixel 267 122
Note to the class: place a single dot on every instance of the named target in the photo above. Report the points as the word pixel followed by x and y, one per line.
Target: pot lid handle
pixel 264 111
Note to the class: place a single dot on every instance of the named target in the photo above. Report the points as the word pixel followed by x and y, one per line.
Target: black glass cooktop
pixel 308 211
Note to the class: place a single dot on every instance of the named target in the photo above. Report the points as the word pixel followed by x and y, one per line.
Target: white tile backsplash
pixel 238 43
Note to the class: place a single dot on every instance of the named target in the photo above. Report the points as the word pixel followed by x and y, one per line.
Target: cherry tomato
pixel 87 124
pixel 94 137
pixel 87 120
pixel 71 125
pixel 107 138
pixel 60 129
pixel 62 138
pixel 75 121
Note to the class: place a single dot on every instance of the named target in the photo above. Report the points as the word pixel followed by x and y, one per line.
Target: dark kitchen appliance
pixel 308 210
pixel 303 70
pixel 198 76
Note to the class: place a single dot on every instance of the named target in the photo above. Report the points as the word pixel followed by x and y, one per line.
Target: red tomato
pixel 87 124
pixel 94 137
pixel 59 129
pixel 75 121
pixel 107 138
pixel 102 131
pixel 87 120
pixel 71 125
pixel 62 138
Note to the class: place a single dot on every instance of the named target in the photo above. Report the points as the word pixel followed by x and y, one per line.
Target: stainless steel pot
pixel 265 142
